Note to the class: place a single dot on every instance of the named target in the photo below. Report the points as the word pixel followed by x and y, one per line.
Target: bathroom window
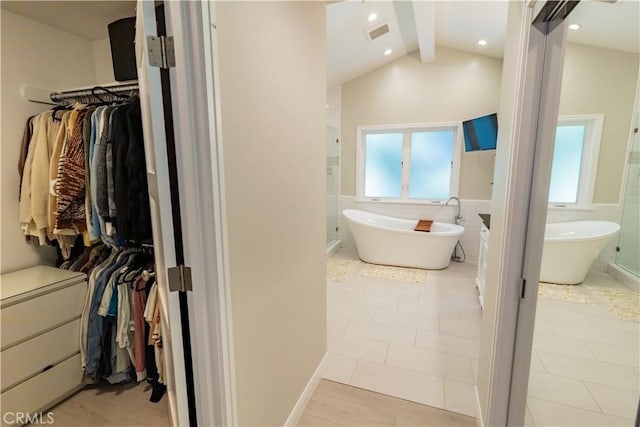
pixel 575 160
pixel 417 163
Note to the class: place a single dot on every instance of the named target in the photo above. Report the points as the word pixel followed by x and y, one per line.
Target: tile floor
pixel 414 334
pixel 584 368
pixel 408 333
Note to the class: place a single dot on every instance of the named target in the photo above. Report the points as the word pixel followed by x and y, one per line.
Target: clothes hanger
pixel 94 93
pixel 58 108
pixel 146 275
pixel 108 91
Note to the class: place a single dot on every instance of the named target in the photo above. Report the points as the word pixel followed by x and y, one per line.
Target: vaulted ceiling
pixel 459 25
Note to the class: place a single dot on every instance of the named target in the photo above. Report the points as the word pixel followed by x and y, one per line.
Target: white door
pixel 157 160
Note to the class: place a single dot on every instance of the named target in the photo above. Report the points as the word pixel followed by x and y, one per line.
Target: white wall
pixel 102 61
pixel 273 97
pixel 597 80
pixel 37 55
pixel 457 87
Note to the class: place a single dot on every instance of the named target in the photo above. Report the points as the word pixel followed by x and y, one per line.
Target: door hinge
pixel 161 51
pixel 180 279
pixel 523 287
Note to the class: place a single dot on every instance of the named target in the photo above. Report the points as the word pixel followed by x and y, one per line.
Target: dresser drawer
pixel 31 357
pixel 32 317
pixel 41 391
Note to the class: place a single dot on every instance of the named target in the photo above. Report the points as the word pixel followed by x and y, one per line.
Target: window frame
pixel 407 130
pixel 589 165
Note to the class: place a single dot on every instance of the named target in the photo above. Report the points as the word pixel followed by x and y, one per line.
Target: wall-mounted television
pixel 481 133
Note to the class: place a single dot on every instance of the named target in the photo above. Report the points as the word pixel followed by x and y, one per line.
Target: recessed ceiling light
pixel 373 17
pixel 482 42
pixel 575 26
pixel 388 52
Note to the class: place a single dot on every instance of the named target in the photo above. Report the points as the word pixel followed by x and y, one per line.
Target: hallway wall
pixel 273 97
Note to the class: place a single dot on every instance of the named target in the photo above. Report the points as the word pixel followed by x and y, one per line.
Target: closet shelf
pixel 50 97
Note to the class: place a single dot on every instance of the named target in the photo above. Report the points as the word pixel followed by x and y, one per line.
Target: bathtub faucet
pixel 458 218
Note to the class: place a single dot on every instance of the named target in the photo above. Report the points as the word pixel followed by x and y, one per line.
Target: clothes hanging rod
pixel 91 92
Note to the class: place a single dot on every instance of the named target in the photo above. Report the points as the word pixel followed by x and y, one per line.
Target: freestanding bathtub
pixel 571 247
pixel 392 241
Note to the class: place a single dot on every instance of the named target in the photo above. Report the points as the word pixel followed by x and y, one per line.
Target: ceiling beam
pixel 424 15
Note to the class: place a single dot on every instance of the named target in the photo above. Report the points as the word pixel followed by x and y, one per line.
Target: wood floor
pixel 112 405
pixel 332 404
pixel 335 404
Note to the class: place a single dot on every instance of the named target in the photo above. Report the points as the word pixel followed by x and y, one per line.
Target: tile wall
pixel 334 108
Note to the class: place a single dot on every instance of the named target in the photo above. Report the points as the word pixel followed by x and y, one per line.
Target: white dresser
pixel 40 312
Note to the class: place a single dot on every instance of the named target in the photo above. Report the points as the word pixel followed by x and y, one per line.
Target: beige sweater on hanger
pixel 34 195
pixel 40 172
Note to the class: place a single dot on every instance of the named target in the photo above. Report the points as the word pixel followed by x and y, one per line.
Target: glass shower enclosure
pixel 333 170
pixel 628 256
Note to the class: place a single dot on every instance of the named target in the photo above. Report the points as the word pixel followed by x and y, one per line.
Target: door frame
pixel 152 98
pixel 200 169
pixel 529 105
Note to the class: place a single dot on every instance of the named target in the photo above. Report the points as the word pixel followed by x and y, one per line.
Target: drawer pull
pixel 46 368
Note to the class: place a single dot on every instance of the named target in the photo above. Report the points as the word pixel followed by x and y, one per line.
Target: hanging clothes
pixel 24 149
pixel 34 195
pixel 139 303
pixel 70 185
pixel 83 172
pixel 83 187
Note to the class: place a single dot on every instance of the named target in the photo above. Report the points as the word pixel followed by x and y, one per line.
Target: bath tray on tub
pixel 424 225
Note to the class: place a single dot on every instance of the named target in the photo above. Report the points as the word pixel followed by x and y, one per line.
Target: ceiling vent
pixel 379 31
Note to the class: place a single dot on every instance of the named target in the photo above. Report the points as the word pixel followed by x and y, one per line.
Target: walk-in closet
pixel 84 305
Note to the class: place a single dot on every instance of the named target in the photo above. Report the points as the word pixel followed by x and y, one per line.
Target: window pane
pixel 567 161
pixel 431 155
pixel 383 165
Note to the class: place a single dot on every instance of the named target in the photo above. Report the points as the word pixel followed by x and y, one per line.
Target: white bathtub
pixel 571 247
pixel 392 241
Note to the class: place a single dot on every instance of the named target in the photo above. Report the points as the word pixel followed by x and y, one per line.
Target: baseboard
pixel 333 247
pixel 479 417
pixel 624 277
pixel 303 400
